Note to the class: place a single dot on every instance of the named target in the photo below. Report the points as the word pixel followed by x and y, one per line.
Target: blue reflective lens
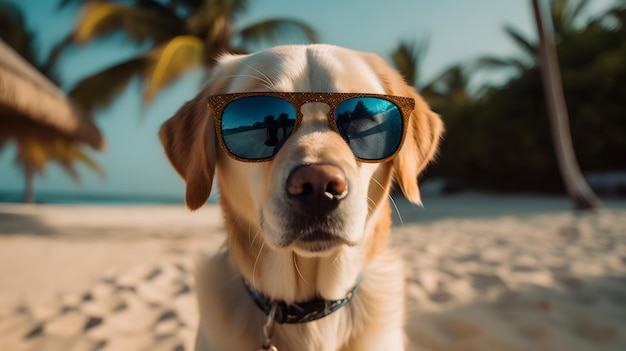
pixel 255 127
pixel 371 126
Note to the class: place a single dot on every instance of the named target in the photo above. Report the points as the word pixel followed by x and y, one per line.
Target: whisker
pixel 380 185
pixel 256 261
pixel 295 264
pixel 372 203
pixel 256 235
pixel 265 77
pixel 268 85
pixel 395 206
pixel 393 202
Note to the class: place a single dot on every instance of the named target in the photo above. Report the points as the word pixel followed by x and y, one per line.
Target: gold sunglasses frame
pixel 217 104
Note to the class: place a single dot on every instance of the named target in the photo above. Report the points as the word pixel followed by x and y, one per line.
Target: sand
pixel 484 273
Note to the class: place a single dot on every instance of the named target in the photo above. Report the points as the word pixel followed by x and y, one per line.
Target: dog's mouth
pixel 297 230
pixel 318 241
pixel 318 235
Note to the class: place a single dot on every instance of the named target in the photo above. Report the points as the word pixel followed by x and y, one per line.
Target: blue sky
pixel 457 31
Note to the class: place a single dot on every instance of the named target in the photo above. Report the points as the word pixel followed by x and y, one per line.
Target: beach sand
pixel 484 273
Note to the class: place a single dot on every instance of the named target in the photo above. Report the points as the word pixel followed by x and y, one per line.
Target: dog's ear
pixel 189 137
pixel 422 136
pixel 420 146
pixel 189 142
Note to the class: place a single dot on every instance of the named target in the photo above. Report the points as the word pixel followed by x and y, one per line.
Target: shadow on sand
pixel 20 223
pixel 577 315
pixel 475 205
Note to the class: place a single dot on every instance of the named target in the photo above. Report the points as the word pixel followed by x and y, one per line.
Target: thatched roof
pixel 32 106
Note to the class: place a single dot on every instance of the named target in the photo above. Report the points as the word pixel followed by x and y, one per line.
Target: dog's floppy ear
pixel 420 146
pixel 189 137
pixel 189 142
pixel 422 135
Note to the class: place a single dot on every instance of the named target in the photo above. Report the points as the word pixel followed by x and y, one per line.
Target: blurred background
pixel 496 259
pixel 128 66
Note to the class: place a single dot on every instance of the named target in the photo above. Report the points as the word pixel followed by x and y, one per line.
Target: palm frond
pixel 578 9
pixel 81 156
pixel 492 62
pixel 35 154
pixel 213 18
pixel 273 30
pixel 139 24
pixel 406 62
pixel 63 154
pixel 170 61
pixel 31 152
pixel 408 58
pixel 452 82
pixel 565 13
pixel 524 43
pixel 219 8
pixel 453 76
pixel 67 154
pixel 618 14
pixel 489 62
pixel 101 88
pixel 56 52
pixel 14 32
pixel 558 16
pixel 558 8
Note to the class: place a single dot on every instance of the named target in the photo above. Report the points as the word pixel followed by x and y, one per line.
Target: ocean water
pixel 48 197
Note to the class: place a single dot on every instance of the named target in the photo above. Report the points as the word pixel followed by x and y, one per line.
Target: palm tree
pixel 182 35
pixel 408 58
pixel 44 125
pixel 452 83
pixel 577 188
pixel 564 15
pixel 530 57
pixel 33 155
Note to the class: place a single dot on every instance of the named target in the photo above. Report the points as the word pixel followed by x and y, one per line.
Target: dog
pixel 306 141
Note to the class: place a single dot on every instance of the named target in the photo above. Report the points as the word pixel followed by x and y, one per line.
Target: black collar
pixel 300 312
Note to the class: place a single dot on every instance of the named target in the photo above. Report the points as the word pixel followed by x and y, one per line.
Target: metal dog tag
pixel 268 330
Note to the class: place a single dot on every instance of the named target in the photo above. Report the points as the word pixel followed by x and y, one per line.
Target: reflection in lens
pixel 254 127
pixel 371 126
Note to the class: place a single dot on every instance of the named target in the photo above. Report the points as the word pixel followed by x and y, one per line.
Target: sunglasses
pixel 251 127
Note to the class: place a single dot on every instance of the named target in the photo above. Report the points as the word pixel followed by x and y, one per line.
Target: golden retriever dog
pixel 306 141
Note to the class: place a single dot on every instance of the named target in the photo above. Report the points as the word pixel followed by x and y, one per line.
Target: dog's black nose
pixel 318 188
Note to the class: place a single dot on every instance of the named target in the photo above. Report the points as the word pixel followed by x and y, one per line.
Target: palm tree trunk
pixel 576 186
pixel 29 180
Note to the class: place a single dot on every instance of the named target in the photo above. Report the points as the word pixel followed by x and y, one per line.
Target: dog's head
pixel 313 196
